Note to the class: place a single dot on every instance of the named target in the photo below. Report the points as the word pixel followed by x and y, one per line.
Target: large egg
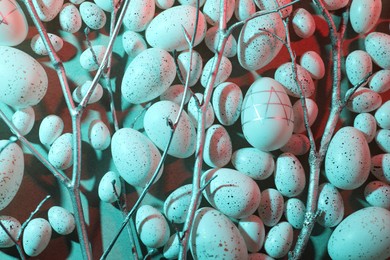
pixel 362 235
pixel 364 14
pixel 267 117
pixel 13 23
pixel 24 81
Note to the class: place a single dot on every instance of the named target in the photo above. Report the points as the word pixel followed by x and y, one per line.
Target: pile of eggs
pixel 254 192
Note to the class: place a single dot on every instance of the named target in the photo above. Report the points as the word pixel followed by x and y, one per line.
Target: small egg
pixel 183 61
pixel 212 41
pixel 193 110
pixel 152 227
pixel 382 139
pixel 377 194
pixel 364 14
pixel 172 247
pixel 191 2
pixel 36 236
pixel 312 112
pixel 380 81
pixel 47 10
pixel 253 232
pixel 272 5
pixel 107 6
pixel 61 220
pixel 380 167
pixel 13 226
pixel 227 101
pixel 110 187
pixel 91 58
pixel 164 4
pixel 330 205
pixel 358 65
pixel 76 2
pixel 175 94
pixel 133 43
pixel 23 120
pixel 224 71
pixel 139 14
pixel 366 123
pixel 92 15
pixel 50 129
pixel 279 240
pixel 244 9
pixel 303 23
pixel 378 46
pixel 298 144
pixel 39 47
pixel 80 92
pixel 99 135
pixel 61 152
pixel 271 207
pixel 212 11
pixel 177 204
pixel 294 212
pixel 217 147
pixel 364 100
pixel 313 63
pixel 70 18
pixel 382 115
pixel 332 5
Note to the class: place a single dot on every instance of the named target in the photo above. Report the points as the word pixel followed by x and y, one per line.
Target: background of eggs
pixel 104 219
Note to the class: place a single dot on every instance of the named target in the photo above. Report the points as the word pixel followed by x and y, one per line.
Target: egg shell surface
pixel 61 220
pixel 70 18
pixel 358 65
pixel 380 81
pixel 47 10
pixel 364 14
pixel 61 152
pixel 50 129
pixel 183 61
pixel 271 207
pixel 313 63
pixel 331 205
pixel 279 240
pixel 217 147
pixel 99 135
pixel 377 194
pixel 378 46
pixel 227 101
pixel 92 15
pixel 365 122
pixel 224 70
pixel 36 236
pixel 382 115
pixel 14 27
pixel 139 14
pixel 108 182
pixel 380 167
pixel 253 232
pixel 39 47
pixel 177 203
pixel 13 226
pixel 24 120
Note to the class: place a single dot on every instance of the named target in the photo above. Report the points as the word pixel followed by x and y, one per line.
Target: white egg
pixel 380 81
pixel 148 76
pixel 193 110
pixel 166 30
pixel 99 135
pixel 266 106
pixel 364 14
pixel 358 65
pixel 177 204
pixel 157 128
pixel 298 144
pixel 382 115
pixel 139 14
pixel 330 205
pixel 61 220
pixel 12 170
pixel 312 112
pixel 50 129
pixel 313 63
pixel 286 76
pixel 183 61
pixel 12 225
pixel 366 123
pixel 130 147
pixel 253 162
pixel 133 43
pixel 332 5
pixel 257 47
pixel 70 18
pixel 253 232
pixel 92 15
pixel 91 58
pixel 24 119
pixel 279 240
pixel 227 101
pixel 36 236
pixel 303 23
pixel 106 191
pixel 377 194
pixel 61 152
pixel 175 93
pixel 362 235
pixel 290 177
pixel 378 46
pixel 24 80
pixel 217 147
pixel 164 4
pixel 80 92
pixel 223 73
pixel 364 100
pixel 272 5
pixel 39 48
pixel 14 27
pixel 382 139
pixel 214 234
pixel 271 207
pixel 211 10
pixel 243 9
pixel 152 227
pixel 107 6
pixel 47 10
pixel 231 192
pixel 294 212
pixel 380 167
pixel 347 162
pixel 212 41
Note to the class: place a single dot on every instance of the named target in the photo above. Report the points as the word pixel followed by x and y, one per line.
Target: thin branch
pixel 352 90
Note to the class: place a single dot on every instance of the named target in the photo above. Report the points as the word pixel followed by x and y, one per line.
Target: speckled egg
pixel 211 10
pixel 366 123
pixel 279 240
pixel 61 220
pixel 231 192
pixel 175 93
pixel 92 15
pixel 36 236
pixel 166 29
pixel 362 235
pixel 133 43
pixel 177 203
pixel 298 144
pixel 364 100
pixel 377 194
pixel 61 152
pixel 139 14
pixel 11 171
pixel 106 191
pixel 148 76
pixel 267 118
pixel 191 2
pixel 214 235
pixel 244 9
pixel 164 4
pixel 136 158
pixel 380 167
pixel 347 162
pixel 39 48
pixel 183 61
pixel 303 23
pixel 382 115
pixel 312 112
pixel 107 6
pixel 224 71
pixel 14 28
pixel 313 63
pixel 364 14
pixel 24 80
pixel 70 18
pixel 193 110
pixel 152 227
pixel 24 119
pixel 272 5
pixel 99 135
pixel 13 226
pixel 290 177
pixel 285 75
pixel 271 207
pixel 380 81
pixel 50 129
pixel 253 232
pixel 378 46
pixel 227 101
pixel 47 10
pixel 217 147
pixel 212 41
pixel 335 4
pixel 157 128
pixel 358 65
pixel 80 92
pixel 91 58
pixel 382 139
pixel 257 48
pixel 253 162
pixel 294 212
pixel 331 205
